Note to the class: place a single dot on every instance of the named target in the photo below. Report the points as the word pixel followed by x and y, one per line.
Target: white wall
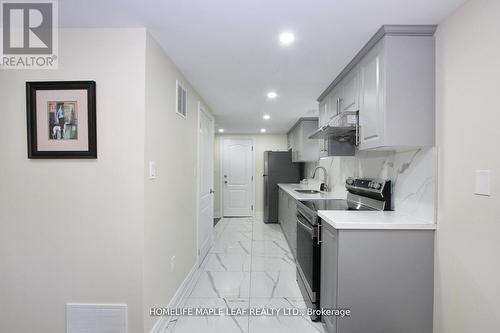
pixel 71 230
pixel 170 200
pixel 99 231
pixel 467 287
pixel 263 142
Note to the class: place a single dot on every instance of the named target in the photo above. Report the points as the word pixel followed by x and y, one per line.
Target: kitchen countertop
pixel 290 189
pixel 349 219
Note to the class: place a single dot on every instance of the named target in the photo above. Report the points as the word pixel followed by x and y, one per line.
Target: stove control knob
pixel 377 186
pixel 349 181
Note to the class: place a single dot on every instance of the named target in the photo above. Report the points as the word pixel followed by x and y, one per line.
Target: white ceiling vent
pixel 181 99
pixel 96 318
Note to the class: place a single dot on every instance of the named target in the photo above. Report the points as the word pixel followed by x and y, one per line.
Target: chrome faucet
pixel 325 179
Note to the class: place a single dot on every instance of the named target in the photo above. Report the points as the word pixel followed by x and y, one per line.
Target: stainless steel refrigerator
pixel 278 168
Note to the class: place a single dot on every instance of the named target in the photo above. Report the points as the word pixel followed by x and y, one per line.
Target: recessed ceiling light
pixel 263 130
pixel 221 130
pixel 272 95
pixel 266 117
pixel 287 38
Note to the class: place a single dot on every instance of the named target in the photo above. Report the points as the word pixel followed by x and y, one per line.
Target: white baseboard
pixel 205 248
pixel 183 290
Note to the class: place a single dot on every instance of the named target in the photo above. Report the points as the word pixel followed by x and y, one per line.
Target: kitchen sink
pixel 308 191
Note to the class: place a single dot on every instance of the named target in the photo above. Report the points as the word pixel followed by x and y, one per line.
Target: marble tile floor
pixel 249 266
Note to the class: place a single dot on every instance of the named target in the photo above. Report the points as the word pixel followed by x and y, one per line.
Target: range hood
pixel 343 127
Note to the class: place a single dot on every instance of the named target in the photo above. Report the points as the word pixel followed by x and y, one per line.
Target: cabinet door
pixel 308 151
pixel 291 140
pixel 371 98
pixel 349 99
pixel 281 207
pixel 323 113
pixel 287 223
pixel 292 226
pixel 328 291
pixel 297 144
pixel 334 102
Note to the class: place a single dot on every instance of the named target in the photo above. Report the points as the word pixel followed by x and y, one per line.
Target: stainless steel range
pixel 363 194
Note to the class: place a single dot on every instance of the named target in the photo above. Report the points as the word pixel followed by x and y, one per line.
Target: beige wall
pixel 170 199
pixel 71 230
pixel 263 142
pixel 467 287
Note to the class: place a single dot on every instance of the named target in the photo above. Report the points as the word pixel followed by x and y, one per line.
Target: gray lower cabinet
pixel 287 212
pixel 328 283
pixel 384 277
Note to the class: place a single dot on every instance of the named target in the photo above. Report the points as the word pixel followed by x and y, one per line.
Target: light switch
pixel 483 180
pixel 152 170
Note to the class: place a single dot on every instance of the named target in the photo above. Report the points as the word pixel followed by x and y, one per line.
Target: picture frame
pixel 61 119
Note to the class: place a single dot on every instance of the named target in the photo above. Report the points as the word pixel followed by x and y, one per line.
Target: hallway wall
pixel 170 226
pixel 72 230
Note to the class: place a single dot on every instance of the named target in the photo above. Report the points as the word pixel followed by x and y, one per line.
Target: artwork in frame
pixel 61 119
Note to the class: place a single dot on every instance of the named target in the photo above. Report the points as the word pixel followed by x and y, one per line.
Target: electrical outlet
pixel 172 264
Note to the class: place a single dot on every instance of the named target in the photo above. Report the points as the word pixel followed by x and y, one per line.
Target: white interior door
pixel 237 176
pixel 205 183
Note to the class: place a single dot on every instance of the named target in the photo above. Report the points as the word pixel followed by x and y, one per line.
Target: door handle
pixel 212 191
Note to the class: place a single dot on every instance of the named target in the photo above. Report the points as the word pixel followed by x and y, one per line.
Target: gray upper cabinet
pixel 323 113
pixel 391 82
pixel 290 139
pixel 372 83
pixel 303 148
pixel 349 98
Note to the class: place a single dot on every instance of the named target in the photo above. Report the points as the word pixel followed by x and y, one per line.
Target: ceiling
pixel 230 52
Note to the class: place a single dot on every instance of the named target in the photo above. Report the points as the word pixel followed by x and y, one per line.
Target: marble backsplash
pixel 413 176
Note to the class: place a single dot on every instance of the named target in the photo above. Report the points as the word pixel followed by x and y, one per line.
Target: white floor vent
pixel 96 318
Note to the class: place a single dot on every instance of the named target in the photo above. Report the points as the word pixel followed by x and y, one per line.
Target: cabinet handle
pixel 358 133
pixel 319 240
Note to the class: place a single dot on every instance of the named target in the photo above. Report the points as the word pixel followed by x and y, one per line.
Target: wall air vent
pixel 96 318
pixel 181 99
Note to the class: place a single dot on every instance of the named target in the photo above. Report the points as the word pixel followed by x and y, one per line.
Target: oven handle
pixel 305 226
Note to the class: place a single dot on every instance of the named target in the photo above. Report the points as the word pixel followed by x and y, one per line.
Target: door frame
pixel 221 176
pixel 202 109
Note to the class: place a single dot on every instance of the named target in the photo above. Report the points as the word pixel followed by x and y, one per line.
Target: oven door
pixel 308 257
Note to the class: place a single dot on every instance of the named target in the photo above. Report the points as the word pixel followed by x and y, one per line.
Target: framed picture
pixel 61 119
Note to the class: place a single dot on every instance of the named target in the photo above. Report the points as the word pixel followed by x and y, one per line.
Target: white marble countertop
pixel 290 189
pixel 373 220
